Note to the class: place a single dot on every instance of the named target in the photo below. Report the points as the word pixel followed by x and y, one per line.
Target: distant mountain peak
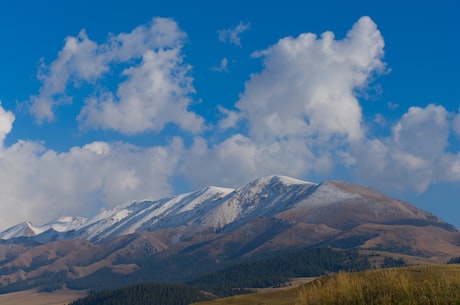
pixel 278 179
pixel 27 229
pixel 23 229
pixel 287 180
pixel 333 203
pixel 215 224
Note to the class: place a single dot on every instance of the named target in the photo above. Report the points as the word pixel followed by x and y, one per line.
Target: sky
pixel 107 102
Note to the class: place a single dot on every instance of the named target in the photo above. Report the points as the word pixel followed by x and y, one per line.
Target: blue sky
pixel 108 102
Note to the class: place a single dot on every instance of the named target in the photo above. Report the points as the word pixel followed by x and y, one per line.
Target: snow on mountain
pixel 27 229
pixel 65 224
pixel 216 209
pixel 149 215
pixel 328 193
pixel 261 197
pixel 211 208
pixel 24 229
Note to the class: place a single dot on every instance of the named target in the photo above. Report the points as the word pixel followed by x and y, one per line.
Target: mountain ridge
pixel 214 208
pixel 199 231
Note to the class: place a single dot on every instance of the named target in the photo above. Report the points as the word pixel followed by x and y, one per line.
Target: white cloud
pixel 449 168
pixel 308 85
pixel 6 123
pixel 238 159
pixel 423 131
pixel 155 93
pixel 378 164
pixel 78 60
pixel 414 156
pixel 39 184
pixel 232 34
pixel 230 118
pixel 223 66
pixel 162 33
pixel 301 110
pixel 151 94
pixel 456 124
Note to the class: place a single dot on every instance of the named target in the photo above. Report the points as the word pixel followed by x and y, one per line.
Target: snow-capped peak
pixel 27 229
pixel 212 207
pixel 287 180
pixel 209 209
pixel 24 229
pixel 65 223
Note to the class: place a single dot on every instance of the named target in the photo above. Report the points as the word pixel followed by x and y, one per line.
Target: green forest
pixel 236 279
pixel 145 294
pixel 276 270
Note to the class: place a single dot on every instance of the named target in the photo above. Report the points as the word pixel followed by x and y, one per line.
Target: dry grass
pixel 32 297
pixel 280 297
pixel 428 285
pixel 419 285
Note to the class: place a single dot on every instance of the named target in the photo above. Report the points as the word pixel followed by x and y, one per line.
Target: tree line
pixel 145 294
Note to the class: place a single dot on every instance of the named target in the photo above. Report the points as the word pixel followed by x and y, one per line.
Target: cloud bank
pixel 39 183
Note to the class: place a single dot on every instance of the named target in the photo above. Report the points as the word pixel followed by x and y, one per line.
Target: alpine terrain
pixel 190 234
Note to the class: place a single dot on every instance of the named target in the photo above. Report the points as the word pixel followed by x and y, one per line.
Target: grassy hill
pixel 434 284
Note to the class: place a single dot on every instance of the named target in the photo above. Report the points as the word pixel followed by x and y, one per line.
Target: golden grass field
pixel 32 297
pixel 427 285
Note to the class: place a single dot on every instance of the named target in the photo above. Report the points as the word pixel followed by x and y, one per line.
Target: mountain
pixel 212 227
pixel 27 229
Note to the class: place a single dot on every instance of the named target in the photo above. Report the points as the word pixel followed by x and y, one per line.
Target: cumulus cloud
pixel 422 131
pixel 308 85
pixel 239 159
pixel 456 124
pixel 38 184
pixel 147 90
pixel 303 117
pixel 301 110
pixel 229 118
pixel 78 60
pixel 155 93
pixel 414 156
pixel 6 123
pixel 233 34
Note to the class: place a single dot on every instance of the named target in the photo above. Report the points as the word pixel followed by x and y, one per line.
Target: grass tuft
pixel 430 285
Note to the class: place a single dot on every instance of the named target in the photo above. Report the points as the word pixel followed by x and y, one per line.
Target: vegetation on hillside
pixel 276 270
pixel 145 294
pixel 427 285
pixel 416 285
pixel 261 272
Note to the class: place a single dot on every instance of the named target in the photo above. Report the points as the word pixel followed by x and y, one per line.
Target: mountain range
pixel 215 226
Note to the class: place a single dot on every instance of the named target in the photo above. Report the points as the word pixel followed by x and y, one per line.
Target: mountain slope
pixel 338 205
pixel 27 229
pixel 213 227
